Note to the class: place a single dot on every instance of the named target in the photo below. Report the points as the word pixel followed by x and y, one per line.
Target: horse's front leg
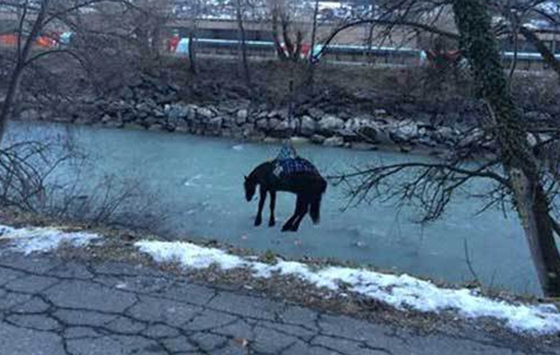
pixel 272 220
pixel 262 199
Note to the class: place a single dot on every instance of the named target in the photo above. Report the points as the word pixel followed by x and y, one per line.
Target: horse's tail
pixel 315 208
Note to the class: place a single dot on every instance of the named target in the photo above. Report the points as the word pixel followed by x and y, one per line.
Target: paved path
pixel 50 306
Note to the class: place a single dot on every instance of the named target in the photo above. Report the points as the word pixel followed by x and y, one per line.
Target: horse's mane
pixel 260 168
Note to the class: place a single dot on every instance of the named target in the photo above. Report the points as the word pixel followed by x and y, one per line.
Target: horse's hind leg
pixel 301 215
pixel 272 220
pixel 289 223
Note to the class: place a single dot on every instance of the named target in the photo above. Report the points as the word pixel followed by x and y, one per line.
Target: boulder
pixel 30 115
pixel 316 113
pixel 317 139
pixel 242 116
pixel 330 124
pixel 363 146
pixel 405 131
pixel 335 141
pixel 308 126
pixel 368 133
pixel 262 125
pixel 204 113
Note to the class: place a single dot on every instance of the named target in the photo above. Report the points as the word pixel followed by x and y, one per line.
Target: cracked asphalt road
pixel 51 306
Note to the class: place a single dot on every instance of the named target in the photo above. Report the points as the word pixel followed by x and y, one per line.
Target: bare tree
pixel 517 173
pixel 287 36
pixel 40 17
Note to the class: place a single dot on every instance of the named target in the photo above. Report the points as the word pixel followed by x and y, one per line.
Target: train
pixel 343 54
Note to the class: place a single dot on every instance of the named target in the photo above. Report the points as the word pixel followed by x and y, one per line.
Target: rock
pixel 113 124
pixel 363 146
pixel 317 139
pixel 143 107
pixel 405 131
pixel 357 123
pixel 282 129
pixel 308 126
pixel 532 115
pixel 274 124
pixel 380 113
pixel 446 135
pixel 228 121
pixel 256 136
pixel 82 120
pixel 299 140
pixel 181 126
pixel 334 142
pixel 215 125
pixel 272 140
pixel 106 118
pixel 368 133
pixel 472 139
pixel 159 113
pixel 405 149
pixel 29 115
pixel 133 126
pixel 280 114
pixel 126 93
pixel 242 116
pixel 128 116
pixel 204 113
pixel 330 124
pixel 316 113
pixel 262 125
pixel 348 135
pixel 152 120
pixel 177 111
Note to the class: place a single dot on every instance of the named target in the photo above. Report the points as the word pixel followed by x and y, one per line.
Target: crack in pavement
pixel 53 306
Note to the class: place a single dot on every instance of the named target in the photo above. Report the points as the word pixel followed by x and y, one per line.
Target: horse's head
pixel 250 188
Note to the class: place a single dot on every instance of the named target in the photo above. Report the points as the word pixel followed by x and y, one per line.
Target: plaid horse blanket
pixel 288 167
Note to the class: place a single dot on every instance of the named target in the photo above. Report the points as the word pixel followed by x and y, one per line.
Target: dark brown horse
pixel 309 187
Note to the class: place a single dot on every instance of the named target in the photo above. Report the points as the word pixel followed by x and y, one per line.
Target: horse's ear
pixel 246 178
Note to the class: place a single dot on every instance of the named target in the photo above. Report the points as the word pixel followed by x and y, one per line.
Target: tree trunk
pixel 532 204
pixel 299 44
pixel 243 45
pixel 192 52
pixel 286 34
pixel 312 59
pixel 276 35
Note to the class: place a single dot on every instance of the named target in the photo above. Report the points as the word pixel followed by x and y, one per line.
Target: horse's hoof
pixel 286 229
pixel 258 222
pixel 271 223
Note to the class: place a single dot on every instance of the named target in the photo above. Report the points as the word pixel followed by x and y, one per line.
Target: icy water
pixel 201 179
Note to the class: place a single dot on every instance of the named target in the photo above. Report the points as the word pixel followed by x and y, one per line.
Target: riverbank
pixel 125 261
pixel 359 108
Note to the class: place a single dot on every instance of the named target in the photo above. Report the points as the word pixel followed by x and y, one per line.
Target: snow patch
pixel 42 240
pixel 189 255
pixel 400 291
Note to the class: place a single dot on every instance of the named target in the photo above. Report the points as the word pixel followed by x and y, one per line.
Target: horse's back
pixel 286 168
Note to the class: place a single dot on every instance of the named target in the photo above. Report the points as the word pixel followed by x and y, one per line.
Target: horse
pixel 309 186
